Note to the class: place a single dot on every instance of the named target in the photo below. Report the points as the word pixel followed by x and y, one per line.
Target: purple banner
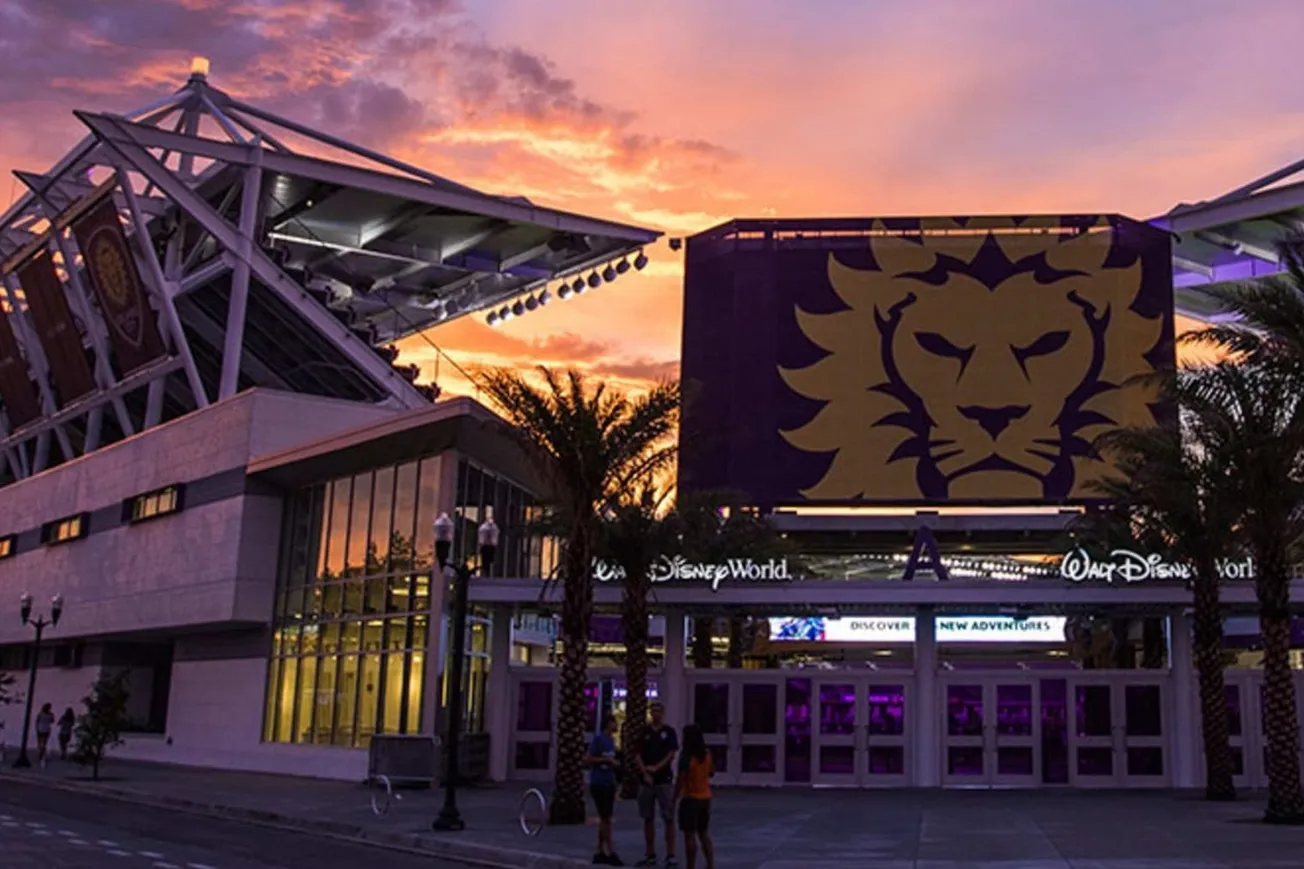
pixel 933 360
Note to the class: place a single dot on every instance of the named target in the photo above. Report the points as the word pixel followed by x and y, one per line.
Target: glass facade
pixel 352 615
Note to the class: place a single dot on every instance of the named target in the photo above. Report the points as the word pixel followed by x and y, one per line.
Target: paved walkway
pixel 764 829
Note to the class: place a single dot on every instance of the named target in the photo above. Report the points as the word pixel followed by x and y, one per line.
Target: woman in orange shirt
pixel 694 791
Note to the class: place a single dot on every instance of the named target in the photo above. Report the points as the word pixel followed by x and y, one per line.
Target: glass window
pixel 154 504
pixel 324 719
pixel 382 516
pixel 359 558
pixel 405 515
pixel 307 691
pixel 368 700
pixel 338 533
pixel 273 689
pixel 395 674
pixel 427 512
pixel 346 701
pixel 284 731
pixel 415 681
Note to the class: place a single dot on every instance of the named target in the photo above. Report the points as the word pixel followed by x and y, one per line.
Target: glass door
pixel 756 732
pixel 886 750
pixel 711 712
pixel 1014 733
pixel 964 745
pixel 837 734
pixel 1119 735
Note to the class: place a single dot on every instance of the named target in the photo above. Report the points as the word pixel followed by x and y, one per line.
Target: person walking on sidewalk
pixel 66 723
pixel 603 763
pixel 693 787
pixel 656 792
pixel 44 724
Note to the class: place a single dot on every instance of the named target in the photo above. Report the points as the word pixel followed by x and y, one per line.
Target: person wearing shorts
pixel 603 762
pixel 656 792
pixel 693 787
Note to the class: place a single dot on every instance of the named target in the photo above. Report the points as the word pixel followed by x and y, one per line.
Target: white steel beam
pixel 162 288
pixel 117 130
pixel 250 198
pixel 36 361
pixel 205 274
pixel 1260 206
pixel 381 372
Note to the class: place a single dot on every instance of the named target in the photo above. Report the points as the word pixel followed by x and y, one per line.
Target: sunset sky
pixel 680 114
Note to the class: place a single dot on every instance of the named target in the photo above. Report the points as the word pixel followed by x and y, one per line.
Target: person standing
pixel 44 724
pixel 67 721
pixel 656 791
pixel 693 786
pixel 603 763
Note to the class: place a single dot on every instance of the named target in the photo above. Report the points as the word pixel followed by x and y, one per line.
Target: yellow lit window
pixel 6 546
pixel 153 504
pixel 63 530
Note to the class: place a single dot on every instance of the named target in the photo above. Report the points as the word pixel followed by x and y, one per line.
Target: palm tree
pixel 1257 409
pixel 634 533
pixel 1172 493
pixel 589 444
pixel 714 526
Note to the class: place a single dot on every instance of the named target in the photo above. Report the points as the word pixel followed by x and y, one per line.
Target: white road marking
pixel 10 824
pixel 35 825
pixel 200 866
pixel 67 833
pixel 117 853
pixel 75 841
pixel 106 843
pixel 6 817
pixel 42 833
pixel 162 865
pixel 152 855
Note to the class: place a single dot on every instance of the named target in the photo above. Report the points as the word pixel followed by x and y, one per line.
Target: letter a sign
pixel 925 554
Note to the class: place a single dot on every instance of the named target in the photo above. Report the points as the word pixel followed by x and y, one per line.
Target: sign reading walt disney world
pixel 676 568
pixel 1126 566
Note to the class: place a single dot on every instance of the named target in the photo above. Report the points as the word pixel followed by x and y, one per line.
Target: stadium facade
pixel 214 454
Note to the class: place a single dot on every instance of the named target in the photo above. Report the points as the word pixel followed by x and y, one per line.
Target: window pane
pixel 405 513
pixel 325 717
pixel 420 631
pixel 395 668
pixel 368 700
pixel 382 515
pixel 285 702
pixel 373 636
pixel 311 640
pixel 421 593
pixel 396 634
pixel 375 602
pixel 359 522
pixel 415 679
pixel 307 690
pixel 332 605
pixel 346 701
pixel 339 528
pixel 301 527
pixel 399 593
pixel 350 636
pixel 354 593
pixel 269 707
pixel 427 507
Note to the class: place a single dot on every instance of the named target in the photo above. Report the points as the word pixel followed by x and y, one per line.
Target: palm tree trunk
pixel 1281 721
pixel 702 650
pixel 567 805
pixel 1214 723
pixel 734 657
pixel 634 615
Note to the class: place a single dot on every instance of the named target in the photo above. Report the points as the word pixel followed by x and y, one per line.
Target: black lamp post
pixel 39 625
pixel 487 538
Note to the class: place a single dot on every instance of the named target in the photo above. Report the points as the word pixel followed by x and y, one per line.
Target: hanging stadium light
pixel 609 274
pixel 578 286
pixel 622 267
pixel 531 303
pixel 640 261
pixel 594 280
pixel 545 297
pixel 492 319
pixel 564 292
pixel 518 309
pixel 504 313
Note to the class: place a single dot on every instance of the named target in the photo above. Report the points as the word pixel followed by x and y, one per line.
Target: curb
pixel 469 853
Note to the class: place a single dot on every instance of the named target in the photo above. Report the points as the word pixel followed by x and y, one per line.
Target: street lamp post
pixel 487 539
pixel 38 624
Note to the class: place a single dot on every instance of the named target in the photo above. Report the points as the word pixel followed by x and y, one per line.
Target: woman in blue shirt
pixel 604 764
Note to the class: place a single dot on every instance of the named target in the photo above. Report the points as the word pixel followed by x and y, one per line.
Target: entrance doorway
pixel 992 731
pixel 1119 729
pixel 860 736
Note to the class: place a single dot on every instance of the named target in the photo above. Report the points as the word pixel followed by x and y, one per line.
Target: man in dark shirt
pixel 656 766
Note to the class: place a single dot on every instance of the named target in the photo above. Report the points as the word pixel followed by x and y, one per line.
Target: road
pixel 41 828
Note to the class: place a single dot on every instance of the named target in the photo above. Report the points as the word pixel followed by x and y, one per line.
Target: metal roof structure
pixel 1233 237
pixel 293 268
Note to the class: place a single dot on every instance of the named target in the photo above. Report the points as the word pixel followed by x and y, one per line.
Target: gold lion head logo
pixel 978 362
pixel 111 270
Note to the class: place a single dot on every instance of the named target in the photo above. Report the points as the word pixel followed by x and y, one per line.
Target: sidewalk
pixel 757 829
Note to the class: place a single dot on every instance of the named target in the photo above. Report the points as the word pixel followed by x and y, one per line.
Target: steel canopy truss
pixel 1233 237
pixel 267 266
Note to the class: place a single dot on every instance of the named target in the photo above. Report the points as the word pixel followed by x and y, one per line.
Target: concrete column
pixel 927 740
pixel 1183 719
pixel 499 699
pixel 672 687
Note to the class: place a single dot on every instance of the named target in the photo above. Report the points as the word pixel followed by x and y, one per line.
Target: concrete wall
pixel 212 563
